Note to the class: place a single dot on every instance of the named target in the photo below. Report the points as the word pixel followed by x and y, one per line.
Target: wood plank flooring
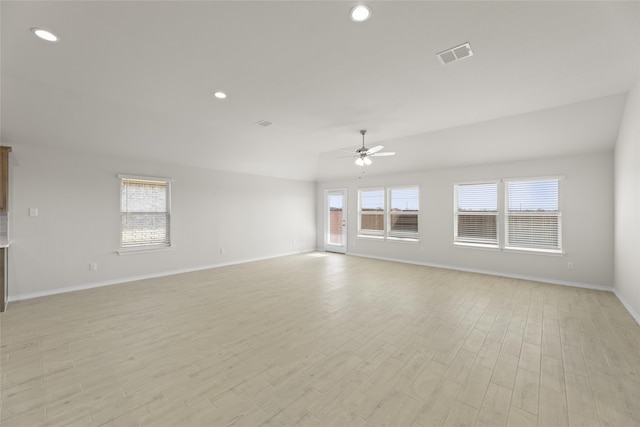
pixel 321 340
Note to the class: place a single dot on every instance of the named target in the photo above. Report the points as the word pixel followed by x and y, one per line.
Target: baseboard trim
pixel 492 273
pixel 57 291
pixel 626 305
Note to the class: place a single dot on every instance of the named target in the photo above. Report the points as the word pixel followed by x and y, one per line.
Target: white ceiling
pixel 136 79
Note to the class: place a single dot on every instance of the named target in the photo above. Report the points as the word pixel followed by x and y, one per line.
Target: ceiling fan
pixel 363 154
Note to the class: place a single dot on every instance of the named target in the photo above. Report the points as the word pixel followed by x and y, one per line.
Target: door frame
pixel 328 247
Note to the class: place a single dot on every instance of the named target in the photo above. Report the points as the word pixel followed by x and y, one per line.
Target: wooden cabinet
pixel 4 178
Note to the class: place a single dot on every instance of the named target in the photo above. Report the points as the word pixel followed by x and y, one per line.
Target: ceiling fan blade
pixel 344 157
pixel 375 149
pixel 346 151
pixel 384 153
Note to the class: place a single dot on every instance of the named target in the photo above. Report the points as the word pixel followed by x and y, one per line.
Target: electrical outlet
pixel 222 251
pixel 93 266
pixel 570 265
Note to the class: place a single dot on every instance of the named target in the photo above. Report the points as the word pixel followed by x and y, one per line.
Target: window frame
pixel 402 235
pixel 141 248
pixel 386 233
pixel 378 234
pixel 461 241
pixel 557 214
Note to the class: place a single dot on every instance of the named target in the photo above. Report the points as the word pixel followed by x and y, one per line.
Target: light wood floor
pixel 322 340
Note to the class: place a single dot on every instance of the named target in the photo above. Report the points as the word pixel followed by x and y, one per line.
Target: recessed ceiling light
pixel 360 13
pixel 45 35
pixel 220 95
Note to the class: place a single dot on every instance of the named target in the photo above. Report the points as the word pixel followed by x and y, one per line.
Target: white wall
pixel 587 210
pixel 77 196
pixel 627 206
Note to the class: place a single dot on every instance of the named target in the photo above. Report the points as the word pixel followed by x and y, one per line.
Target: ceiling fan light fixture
pixel 359 161
pixel 45 35
pixel 367 161
pixel 360 13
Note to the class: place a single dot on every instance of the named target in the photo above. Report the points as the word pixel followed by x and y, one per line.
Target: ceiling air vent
pixel 264 123
pixel 455 53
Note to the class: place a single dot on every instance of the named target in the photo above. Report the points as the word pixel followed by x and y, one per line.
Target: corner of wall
pixel 627 206
pixel 628 306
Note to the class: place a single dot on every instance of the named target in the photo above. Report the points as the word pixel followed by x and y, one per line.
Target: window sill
pixel 370 237
pixel 404 239
pixel 143 250
pixel 530 251
pixel 389 239
pixel 477 246
pixel 548 252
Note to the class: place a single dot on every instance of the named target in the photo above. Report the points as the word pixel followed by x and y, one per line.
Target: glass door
pixel 335 239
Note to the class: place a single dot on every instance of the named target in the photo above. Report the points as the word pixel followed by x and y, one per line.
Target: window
pixel 403 212
pixel 533 217
pixel 145 217
pixel 476 214
pixel 530 208
pixel 389 212
pixel 371 212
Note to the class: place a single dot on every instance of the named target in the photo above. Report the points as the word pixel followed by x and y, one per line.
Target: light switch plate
pixel 33 211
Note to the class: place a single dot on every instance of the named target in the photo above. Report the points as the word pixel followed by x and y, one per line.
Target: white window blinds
pixel 145 218
pixel 533 217
pixel 476 213
pixel 403 212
